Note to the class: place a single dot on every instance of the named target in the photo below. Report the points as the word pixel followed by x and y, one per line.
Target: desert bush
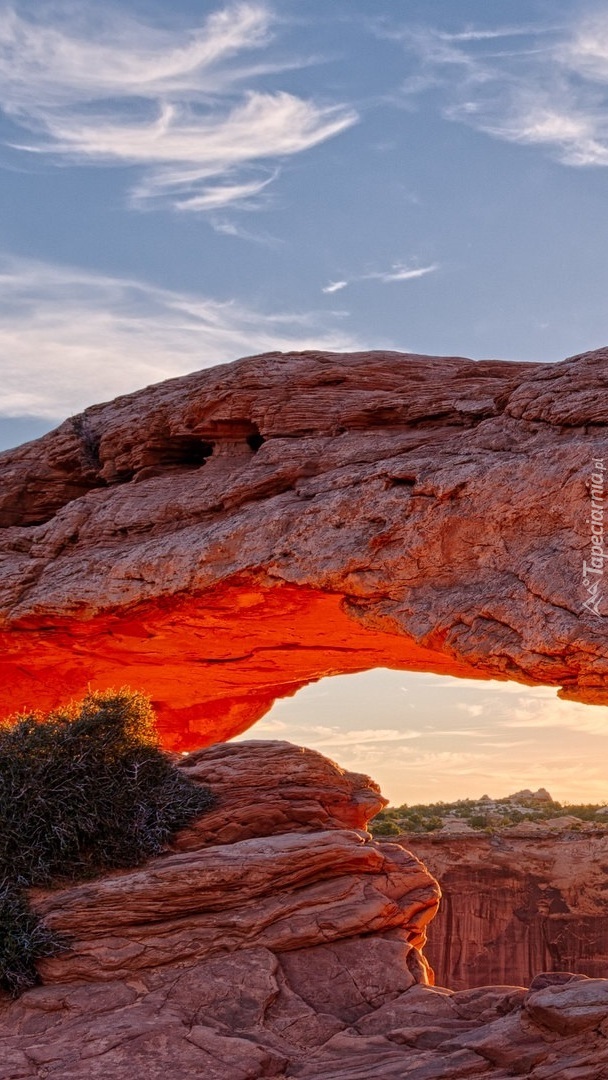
pixel 385 826
pixel 82 790
pixel 23 939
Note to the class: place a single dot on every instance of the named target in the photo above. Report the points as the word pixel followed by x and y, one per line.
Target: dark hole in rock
pixel 255 441
pixel 184 450
pixel 172 452
pixel 41 503
pixel 401 481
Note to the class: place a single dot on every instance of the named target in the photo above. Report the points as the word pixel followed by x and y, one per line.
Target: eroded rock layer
pixel 515 905
pixel 221 539
pixel 280 863
pixel 278 939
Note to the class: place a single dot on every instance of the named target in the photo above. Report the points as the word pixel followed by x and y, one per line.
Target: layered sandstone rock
pixel 247 1016
pixel 281 862
pixel 289 953
pixel 514 904
pixel 220 540
pixel 273 924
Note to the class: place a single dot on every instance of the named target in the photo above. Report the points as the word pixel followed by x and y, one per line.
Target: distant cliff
pixel 514 905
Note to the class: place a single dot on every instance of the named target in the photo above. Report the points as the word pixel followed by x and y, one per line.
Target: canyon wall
pixel 220 540
pixel 514 905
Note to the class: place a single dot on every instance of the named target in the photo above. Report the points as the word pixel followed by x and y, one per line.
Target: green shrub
pixel 83 790
pixel 385 828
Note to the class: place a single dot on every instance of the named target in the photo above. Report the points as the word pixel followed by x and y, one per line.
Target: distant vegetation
pixel 82 790
pixel 482 814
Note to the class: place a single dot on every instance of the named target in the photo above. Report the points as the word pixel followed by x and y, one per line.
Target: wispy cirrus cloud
pixel 397 272
pixel 91 85
pixel 65 334
pixel 536 86
pixel 515 736
pixel 320 736
pixel 533 712
pixel 229 227
pixel 222 195
pixel 486 35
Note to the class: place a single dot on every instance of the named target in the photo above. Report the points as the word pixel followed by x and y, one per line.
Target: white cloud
pixel 472 710
pixel 398 272
pixel 228 227
pixel 319 736
pixel 575 136
pixel 269 726
pixel 215 198
pixel 535 712
pixel 586 52
pixel 446 762
pixel 450 682
pixel 549 88
pixel 488 35
pixel 101 88
pixel 69 337
pixel 86 53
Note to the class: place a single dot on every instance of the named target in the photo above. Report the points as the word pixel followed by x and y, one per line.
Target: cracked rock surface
pixel 221 539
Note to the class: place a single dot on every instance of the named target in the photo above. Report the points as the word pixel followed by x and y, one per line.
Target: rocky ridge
pixel 278 939
pixel 535 811
pixel 222 539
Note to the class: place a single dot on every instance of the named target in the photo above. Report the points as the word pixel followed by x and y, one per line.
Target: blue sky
pixel 185 184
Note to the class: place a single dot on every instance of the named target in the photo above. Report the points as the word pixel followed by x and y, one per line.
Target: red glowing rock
pixel 222 539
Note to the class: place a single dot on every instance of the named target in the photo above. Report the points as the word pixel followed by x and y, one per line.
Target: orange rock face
pixel 281 862
pixel 220 540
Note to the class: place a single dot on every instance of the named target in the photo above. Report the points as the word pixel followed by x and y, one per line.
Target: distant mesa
pixel 222 539
pixel 523 883
pixel 524 813
pixel 526 796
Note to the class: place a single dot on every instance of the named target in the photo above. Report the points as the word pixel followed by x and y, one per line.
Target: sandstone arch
pixel 222 539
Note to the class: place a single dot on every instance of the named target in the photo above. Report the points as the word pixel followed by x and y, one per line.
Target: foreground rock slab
pixel 222 539
pixel 304 1016
pixel 293 952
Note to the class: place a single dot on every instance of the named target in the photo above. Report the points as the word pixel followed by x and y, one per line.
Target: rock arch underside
pixel 222 539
